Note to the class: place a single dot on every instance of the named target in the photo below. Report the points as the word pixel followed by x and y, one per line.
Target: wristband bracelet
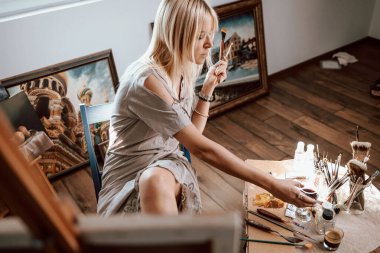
pixel 201 114
pixel 206 98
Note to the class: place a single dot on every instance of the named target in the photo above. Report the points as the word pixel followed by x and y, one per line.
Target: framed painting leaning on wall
pixel 56 92
pixel 242 23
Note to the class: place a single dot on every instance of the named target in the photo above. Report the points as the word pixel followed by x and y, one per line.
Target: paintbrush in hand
pixel 223 32
pixel 228 52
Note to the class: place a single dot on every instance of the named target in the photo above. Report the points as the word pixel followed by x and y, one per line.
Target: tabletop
pixel 361 232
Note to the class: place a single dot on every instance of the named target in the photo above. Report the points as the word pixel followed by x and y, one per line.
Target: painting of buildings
pixel 243 73
pixel 56 99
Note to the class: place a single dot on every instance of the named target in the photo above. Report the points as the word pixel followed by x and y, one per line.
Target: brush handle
pixel 375 174
pixel 273 242
pixel 259 225
pixel 270 215
pixel 354 190
pixel 221 50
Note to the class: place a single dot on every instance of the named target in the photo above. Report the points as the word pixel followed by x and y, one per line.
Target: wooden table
pixel 362 232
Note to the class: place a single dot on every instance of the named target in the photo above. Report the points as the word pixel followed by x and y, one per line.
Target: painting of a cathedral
pixel 56 99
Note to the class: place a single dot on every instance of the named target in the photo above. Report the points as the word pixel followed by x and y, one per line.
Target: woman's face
pixel 203 43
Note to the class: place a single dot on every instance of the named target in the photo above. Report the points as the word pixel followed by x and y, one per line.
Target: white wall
pixel 295 30
pixel 375 25
pixel 41 40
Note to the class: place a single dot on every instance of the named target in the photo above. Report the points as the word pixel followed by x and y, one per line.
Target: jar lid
pixel 328 214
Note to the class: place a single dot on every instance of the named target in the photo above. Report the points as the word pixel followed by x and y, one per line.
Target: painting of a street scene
pixel 56 99
pixel 240 25
pixel 243 63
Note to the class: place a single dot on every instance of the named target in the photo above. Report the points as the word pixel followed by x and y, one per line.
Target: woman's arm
pixel 219 157
pixel 224 160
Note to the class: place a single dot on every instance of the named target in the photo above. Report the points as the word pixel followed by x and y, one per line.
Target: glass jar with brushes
pixel 355 201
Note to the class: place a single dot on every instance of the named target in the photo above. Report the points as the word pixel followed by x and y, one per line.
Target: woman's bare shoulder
pixel 157 86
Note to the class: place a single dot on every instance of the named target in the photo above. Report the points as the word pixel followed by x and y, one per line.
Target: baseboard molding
pixel 294 68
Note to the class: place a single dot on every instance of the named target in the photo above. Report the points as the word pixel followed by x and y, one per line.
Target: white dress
pixel 141 136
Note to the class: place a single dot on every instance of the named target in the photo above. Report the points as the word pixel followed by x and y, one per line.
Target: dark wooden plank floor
pixel 306 103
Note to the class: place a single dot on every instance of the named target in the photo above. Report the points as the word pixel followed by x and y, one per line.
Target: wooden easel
pixel 26 192
pixel 46 223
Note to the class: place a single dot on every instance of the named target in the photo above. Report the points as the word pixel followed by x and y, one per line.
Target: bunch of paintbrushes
pixel 358 188
pixel 356 170
pixel 330 170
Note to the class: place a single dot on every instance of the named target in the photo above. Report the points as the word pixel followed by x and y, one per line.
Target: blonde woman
pixel 145 171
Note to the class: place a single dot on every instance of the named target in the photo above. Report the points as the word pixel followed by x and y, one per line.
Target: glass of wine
pixel 303 214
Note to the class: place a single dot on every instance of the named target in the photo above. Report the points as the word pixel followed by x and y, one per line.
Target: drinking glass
pixel 303 214
pixel 333 238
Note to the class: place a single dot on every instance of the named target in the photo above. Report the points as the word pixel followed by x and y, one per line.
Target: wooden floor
pixel 306 103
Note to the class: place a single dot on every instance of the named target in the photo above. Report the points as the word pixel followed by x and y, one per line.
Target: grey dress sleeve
pixel 160 116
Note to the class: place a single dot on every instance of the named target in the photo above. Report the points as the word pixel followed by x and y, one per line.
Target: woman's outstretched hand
pixel 217 73
pixel 288 191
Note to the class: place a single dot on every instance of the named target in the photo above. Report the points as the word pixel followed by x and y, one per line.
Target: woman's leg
pixel 159 191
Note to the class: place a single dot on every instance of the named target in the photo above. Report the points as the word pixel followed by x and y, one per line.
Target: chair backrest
pixel 52 226
pixel 91 115
pixel 186 152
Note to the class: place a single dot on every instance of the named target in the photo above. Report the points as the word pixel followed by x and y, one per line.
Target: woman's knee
pixel 157 181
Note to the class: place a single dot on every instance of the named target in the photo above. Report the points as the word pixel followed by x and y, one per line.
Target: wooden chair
pixel 47 223
pixel 91 115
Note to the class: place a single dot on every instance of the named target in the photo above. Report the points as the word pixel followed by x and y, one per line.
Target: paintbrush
pixel 306 245
pixel 229 49
pixel 338 165
pixel 357 186
pixel 372 177
pixel 228 52
pixel 360 150
pixel 317 151
pixel 357 133
pixel 223 32
pixel 357 169
pixel 289 228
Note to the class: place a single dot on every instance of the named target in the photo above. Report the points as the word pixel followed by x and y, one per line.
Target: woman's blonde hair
pixel 177 25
